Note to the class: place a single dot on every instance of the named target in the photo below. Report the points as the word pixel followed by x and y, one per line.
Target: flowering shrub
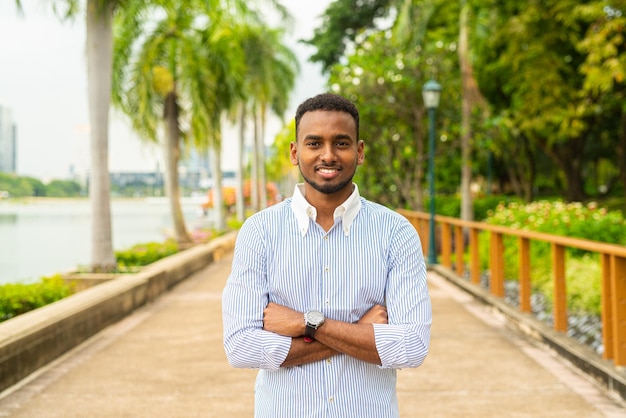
pixel 567 219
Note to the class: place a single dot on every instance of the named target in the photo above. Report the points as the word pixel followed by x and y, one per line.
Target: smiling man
pixel 327 296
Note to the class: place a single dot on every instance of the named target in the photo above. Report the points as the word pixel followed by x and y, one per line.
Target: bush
pixel 143 254
pixel 18 298
pixel 573 220
pixel 568 219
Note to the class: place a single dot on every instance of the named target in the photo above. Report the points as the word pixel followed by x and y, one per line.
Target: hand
pixel 376 315
pixel 282 320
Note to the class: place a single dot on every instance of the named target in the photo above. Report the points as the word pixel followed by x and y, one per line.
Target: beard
pixel 327 188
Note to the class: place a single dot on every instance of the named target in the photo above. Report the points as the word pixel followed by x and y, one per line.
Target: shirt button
pixel 326 237
pixel 326 269
pixel 328 361
pixel 331 399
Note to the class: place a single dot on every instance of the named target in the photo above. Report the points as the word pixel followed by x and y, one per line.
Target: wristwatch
pixel 313 320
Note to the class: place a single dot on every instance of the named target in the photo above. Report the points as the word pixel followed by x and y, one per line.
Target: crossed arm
pixel 333 337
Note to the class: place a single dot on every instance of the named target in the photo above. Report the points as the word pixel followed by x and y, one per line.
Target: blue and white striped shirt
pixel 371 255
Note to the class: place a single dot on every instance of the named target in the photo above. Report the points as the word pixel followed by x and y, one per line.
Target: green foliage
pixel 483 205
pixel 583 284
pixel 342 21
pixel 385 82
pixel 143 254
pixel 18 298
pixel 63 188
pixel 573 220
pixel 19 186
pixel 553 74
pixel 569 219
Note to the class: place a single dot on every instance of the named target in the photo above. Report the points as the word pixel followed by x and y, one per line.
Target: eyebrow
pixel 338 136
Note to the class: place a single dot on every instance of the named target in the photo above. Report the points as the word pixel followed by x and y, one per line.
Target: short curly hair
pixel 328 101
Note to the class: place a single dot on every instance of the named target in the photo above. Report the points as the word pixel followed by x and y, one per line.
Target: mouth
pixel 328 172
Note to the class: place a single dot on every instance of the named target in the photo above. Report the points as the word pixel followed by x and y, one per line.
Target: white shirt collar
pixel 304 211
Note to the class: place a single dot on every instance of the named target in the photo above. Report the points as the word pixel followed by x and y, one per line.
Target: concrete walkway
pixel 167 360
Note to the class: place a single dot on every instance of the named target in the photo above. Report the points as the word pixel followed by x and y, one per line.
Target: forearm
pixel 355 340
pixel 302 352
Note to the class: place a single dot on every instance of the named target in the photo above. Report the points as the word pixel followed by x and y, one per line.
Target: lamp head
pixel 431 92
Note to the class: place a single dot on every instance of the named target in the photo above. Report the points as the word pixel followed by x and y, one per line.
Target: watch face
pixel 315 318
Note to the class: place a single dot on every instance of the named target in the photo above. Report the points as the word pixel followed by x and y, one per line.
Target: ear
pixel 360 153
pixel 293 153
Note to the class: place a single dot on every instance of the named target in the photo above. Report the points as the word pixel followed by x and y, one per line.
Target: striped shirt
pixel 371 255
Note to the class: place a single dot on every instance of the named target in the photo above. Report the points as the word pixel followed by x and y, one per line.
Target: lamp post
pixel 431 93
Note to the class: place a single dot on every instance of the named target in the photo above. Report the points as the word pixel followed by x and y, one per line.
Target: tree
pixel 178 64
pixel 270 74
pixel 604 72
pixel 99 15
pixel 531 68
pixel 342 21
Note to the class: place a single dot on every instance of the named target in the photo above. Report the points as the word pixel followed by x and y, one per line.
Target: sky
pixel 43 80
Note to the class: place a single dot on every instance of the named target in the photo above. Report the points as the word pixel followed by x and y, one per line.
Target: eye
pixel 312 143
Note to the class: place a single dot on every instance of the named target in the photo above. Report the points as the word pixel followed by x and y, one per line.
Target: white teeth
pixel 326 170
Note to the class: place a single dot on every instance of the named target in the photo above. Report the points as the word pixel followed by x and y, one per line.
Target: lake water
pixel 43 237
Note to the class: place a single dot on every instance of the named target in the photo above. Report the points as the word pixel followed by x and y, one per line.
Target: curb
pixel 611 378
pixel 34 339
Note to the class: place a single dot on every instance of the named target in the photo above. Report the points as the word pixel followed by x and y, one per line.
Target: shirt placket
pixel 326 286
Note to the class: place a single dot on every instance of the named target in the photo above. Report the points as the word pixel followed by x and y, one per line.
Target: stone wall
pixel 34 339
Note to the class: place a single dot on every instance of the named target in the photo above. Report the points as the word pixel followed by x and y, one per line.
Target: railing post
pixel 607 306
pixel 423 232
pixel 618 293
pixel 475 256
pixel 446 245
pixel 560 295
pixel 496 264
pixel 524 274
pixel 459 250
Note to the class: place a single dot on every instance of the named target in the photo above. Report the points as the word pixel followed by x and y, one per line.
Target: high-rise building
pixel 8 141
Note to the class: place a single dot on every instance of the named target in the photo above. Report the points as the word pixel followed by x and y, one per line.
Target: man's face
pixel 327 150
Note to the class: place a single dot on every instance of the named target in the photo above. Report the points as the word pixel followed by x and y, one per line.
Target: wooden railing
pixel 451 240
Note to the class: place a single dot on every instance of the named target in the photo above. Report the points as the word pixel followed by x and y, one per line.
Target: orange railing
pixel 450 237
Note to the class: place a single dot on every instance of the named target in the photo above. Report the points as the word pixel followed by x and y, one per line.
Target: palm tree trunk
pixel 261 163
pixel 254 177
pixel 240 199
pixel 218 195
pixel 172 155
pixel 99 72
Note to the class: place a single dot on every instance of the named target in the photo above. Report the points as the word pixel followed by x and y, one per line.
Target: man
pixel 327 294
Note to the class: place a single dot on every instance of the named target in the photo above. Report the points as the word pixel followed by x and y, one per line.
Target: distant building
pixel 8 141
pixel 150 183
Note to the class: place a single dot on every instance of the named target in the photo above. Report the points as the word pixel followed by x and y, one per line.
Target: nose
pixel 328 155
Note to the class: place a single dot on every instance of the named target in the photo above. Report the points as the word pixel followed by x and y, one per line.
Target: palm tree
pixel 177 64
pixel 99 49
pixel 270 77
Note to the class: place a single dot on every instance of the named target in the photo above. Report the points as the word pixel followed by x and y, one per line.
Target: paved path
pixel 167 360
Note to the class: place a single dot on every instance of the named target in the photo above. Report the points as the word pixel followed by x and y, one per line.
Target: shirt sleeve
pixel 404 341
pixel 244 298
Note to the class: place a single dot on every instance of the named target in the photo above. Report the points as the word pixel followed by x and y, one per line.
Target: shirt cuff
pixel 275 350
pixel 390 345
